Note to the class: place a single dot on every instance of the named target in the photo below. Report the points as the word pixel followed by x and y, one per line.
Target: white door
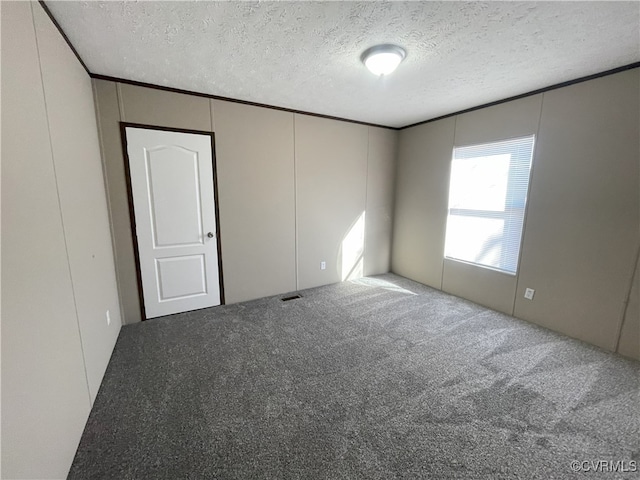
pixel 172 186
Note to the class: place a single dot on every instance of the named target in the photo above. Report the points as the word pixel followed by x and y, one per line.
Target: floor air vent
pixel 286 299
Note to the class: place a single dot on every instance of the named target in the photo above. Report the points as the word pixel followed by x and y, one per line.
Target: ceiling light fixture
pixel 383 59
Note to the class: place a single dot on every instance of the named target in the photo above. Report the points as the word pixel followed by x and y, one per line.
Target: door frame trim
pixel 132 217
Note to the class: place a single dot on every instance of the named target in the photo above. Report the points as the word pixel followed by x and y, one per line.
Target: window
pixel 487 198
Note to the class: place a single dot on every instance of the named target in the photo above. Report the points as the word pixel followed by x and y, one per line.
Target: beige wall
pixel 290 187
pixel 331 183
pixel 76 156
pixel 581 227
pixel 424 157
pixel 381 167
pixel 582 222
pixel 108 113
pixel 169 109
pixel 256 195
pixel 57 270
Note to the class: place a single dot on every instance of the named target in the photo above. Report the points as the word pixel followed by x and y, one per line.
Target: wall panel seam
pixel 211 116
pixel 446 213
pixel 295 201
pixel 64 230
pixel 392 209
pixel 526 210
pixel 536 151
pixel 120 102
pixel 366 199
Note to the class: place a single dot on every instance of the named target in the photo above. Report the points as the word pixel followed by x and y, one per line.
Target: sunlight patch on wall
pixel 352 251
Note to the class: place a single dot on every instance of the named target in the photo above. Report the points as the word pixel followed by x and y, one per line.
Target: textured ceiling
pixel 306 55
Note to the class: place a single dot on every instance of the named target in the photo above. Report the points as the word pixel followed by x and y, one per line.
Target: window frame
pixel 512 203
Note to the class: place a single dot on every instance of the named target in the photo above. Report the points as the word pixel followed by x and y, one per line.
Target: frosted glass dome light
pixel 383 59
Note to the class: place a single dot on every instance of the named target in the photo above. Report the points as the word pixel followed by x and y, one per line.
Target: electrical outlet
pixel 528 293
pixel 108 318
pixel 323 265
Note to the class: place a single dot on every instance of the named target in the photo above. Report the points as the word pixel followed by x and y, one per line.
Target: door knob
pixel 210 235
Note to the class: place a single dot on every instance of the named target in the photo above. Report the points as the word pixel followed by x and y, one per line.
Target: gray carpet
pixel 381 378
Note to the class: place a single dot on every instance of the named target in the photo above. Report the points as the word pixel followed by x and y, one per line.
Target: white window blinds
pixel 487 199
